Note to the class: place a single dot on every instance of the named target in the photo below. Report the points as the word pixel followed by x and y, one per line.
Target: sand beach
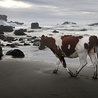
pixel 34 79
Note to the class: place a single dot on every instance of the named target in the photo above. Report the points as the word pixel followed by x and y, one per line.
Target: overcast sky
pixel 50 11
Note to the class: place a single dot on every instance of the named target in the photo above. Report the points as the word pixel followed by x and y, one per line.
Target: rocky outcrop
pixel 93 24
pixel 16 53
pixel 20 32
pixel 4 25
pixel 1 53
pixel 6 28
pixel 1 32
pixel 3 17
pixel 55 31
pixel 66 23
pixel 35 26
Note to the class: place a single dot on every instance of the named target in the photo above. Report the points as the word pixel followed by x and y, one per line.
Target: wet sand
pixel 25 79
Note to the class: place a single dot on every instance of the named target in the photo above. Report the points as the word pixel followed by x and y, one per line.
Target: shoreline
pixel 25 79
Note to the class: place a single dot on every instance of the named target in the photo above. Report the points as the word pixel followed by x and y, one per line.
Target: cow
pixel 71 47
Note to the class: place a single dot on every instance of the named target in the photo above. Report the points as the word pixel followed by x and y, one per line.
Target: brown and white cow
pixel 72 46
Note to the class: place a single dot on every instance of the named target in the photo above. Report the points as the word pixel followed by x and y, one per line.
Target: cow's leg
pixel 62 60
pixel 83 62
pixel 93 57
pixel 57 66
pixel 64 65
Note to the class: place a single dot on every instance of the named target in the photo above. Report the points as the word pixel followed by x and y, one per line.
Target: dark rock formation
pixel 32 38
pixel 1 53
pixel 1 32
pixel 26 44
pixel 36 42
pixel 2 37
pixel 6 28
pixel 6 38
pixel 9 39
pixel 65 23
pixel 19 32
pixel 11 45
pixel 35 26
pixel 93 24
pixel 16 53
pixel 3 17
pixel 55 31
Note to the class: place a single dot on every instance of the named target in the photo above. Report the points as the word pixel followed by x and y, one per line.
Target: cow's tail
pixel 96 48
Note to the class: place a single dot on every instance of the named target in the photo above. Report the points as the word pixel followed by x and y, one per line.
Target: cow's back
pixel 69 44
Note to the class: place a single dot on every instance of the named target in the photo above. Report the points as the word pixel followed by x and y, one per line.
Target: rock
pixel 21 39
pixel 55 31
pixel 35 26
pixel 2 37
pixel 6 38
pixel 36 42
pixel 11 45
pixel 6 28
pixel 9 39
pixel 26 44
pixel 1 53
pixel 19 32
pixel 31 38
pixel 50 34
pixel 83 29
pixel 16 53
pixel 65 23
pixel 3 17
pixel 93 24
pixel 1 32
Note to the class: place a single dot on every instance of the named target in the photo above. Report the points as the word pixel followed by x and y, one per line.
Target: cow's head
pixel 42 42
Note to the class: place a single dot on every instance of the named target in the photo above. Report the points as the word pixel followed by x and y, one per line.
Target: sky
pixel 48 12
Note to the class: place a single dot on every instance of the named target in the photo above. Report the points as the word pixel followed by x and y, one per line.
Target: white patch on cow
pixel 69 46
pixel 80 44
pixel 58 41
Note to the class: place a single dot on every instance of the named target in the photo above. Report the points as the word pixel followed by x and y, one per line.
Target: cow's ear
pixel 44 37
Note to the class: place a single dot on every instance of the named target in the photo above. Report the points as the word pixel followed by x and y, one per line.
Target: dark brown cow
pixel 72 47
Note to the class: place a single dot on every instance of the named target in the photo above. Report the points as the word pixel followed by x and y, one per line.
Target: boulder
pixel 66 23
pixel 36 42
pixel 55 31
pixel 16 53
pixel 9 39
pixel 2 37
pixel 11 45
pixel 6 28
pixel 3 17
pixel 26 44
pixel 93 24
pixel 1 32
pixel 1 53
pixel 19 32
pixel 35 26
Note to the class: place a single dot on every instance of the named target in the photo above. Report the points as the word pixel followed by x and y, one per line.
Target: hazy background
pixel 48 12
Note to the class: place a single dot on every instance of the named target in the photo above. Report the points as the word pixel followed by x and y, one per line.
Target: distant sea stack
pixel 66 23
pixel 4 25
pixel 3 17
pixel 93 24
pixel 35 25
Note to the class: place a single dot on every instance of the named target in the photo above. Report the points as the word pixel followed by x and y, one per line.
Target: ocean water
pixel 32 53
